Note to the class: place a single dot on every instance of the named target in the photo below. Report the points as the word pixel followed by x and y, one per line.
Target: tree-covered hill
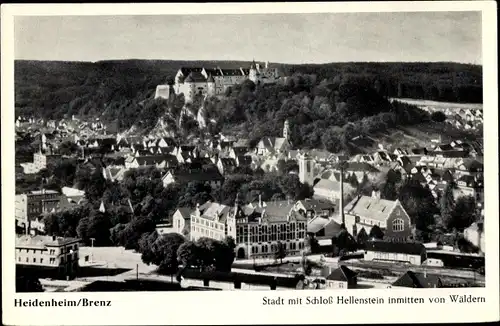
pixel 123 91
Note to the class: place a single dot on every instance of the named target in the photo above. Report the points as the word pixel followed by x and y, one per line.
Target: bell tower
pixel 306 169
pixel 286 130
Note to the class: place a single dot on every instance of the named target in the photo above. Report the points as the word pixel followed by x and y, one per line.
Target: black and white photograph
pixel 324 151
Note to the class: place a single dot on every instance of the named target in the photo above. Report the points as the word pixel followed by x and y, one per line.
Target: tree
pixel 447 205
pixel 224 255
pixel 206 251
pixel 164 253
pixel 28 284
pixel 146 244
pixel 419 203
pixel 376 233
pixel 464 213
pixel 188 254
pixel 438 116
pixel 280 251
pixel 312 244
pixel 362 237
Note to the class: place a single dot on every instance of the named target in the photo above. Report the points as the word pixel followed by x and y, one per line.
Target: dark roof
pixel 187 70
pixel 418 280
pixel 281 281
pixel 411 248
pixel 227 162
pixel 213 71
pixel 196 77
pixel 232 72
pixel 155 159
pixel 197 175
pixel 341 274
pixel 418 151
pixel 357 166
pixel 244 160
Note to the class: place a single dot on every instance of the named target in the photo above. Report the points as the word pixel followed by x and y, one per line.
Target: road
pixel 459 273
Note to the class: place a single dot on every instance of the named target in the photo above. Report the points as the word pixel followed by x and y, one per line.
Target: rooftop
pixel 42 241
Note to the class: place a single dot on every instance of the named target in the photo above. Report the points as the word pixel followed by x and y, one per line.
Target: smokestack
pixel 260 200
pixel 341 202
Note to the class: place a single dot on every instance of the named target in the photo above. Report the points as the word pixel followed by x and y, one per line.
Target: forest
pixel 119 89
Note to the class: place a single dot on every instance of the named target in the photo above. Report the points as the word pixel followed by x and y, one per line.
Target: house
pixel 467 185
pixel 400 152
pixel 273 145
pixel 470 166
pixel 330 190
pixel 312 208
pixel 181 220
pixel 160 161
pixel 234 152
pixel 412 279
pixel 342 278
pixel 211 177
pixel 243 161
pixel 114 173
pixel 406 252
pixel 368 211
pixel 49 253
pixel 226 165
pixel 475 235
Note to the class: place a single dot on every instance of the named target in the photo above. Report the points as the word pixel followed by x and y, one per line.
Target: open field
pixel 444 105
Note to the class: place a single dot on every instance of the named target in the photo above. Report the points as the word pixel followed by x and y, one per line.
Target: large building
pixel 192 81
pixel 257 230
pixel 48 253
pixel 30 206
pixel 364 212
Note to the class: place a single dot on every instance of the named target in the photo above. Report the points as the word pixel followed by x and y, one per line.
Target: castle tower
pixel 252 74
pixel 286 130
pixel 210 86
pixel 306 169
pixel 189 89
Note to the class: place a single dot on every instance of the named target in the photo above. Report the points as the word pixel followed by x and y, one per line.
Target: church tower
pixel 306 169
pixel 210 86
pixel 286 130
pixel 252 74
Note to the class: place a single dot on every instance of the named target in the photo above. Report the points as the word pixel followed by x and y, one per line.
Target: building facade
pixel 256 230
pixel 192 81
pixel 49 252
pixel 30 206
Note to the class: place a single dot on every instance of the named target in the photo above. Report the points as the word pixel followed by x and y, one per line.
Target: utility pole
pixel 341 201
pixel 92 250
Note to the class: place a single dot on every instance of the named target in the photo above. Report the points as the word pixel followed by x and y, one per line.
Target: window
pixel 52 260
pixel 41 260
pixel 398 225
pixel 341 285
pixel 34 260
pixel 27 259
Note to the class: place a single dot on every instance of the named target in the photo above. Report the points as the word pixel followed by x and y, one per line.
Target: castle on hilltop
pixel 215 81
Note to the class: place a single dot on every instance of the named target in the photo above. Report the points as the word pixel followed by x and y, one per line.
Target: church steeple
pixel 286 130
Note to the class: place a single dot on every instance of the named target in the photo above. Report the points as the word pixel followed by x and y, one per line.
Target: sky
pixel 284 38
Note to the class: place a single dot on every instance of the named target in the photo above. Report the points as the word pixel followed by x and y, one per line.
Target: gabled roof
pixel 358 167
pixel 418 280
pixel 187 70
pixel 232 72
pixel 244 160
pixel 373 208
pixel 411 248
pixel 185 212
pixel 227 162
pixel 42 241
pixel 343 273
pixel 216 212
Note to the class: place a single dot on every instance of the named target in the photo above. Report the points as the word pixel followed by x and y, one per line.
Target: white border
pixel 227 307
